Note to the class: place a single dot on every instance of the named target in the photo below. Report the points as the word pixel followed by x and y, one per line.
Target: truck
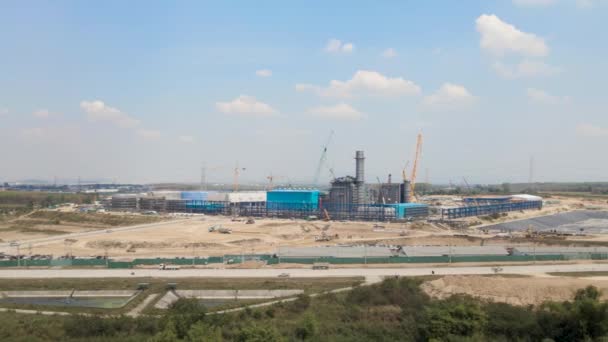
pixel 166 267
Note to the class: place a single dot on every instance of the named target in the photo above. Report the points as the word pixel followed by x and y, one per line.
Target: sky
pixel 149 91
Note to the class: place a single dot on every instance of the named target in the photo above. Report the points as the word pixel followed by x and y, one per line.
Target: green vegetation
pixel 394 310
pixel 580 274
pixel 31 199
pixel 105 220
pixel 156 285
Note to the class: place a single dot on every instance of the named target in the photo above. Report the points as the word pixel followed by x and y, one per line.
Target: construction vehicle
pixel 223 230
pixel 165 267
pixel 323 237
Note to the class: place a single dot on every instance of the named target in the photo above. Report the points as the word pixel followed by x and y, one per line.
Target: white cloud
pixel 264 73
pixel 340 111
pixel 98 111
pixel 541 96
pixel 534 3
pixel 148 134
pixel 42 113
pixel 589 130
pixel 247 106
pixel 526 68
pixel 389 53
pixel 3 111
pixel 186 139
pixel 364 82
pixel 449 96
pixel 336 46
pixel 499 38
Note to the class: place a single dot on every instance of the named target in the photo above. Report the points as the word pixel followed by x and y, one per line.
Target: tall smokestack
pixel 360 176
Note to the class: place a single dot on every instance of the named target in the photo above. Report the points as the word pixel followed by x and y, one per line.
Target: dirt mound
pixel 245 241
pixel 511 290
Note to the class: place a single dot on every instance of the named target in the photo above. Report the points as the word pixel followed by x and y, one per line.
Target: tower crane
pixel 271 178
pixel 415 166
pixel 237 172
pixel 323 158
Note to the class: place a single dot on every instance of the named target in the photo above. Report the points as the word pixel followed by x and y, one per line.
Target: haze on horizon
pixel 147 91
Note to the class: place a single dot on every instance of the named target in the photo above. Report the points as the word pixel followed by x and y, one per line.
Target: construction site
pixel 351 221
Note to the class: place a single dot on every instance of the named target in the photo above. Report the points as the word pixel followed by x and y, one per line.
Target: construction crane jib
pixel 323 158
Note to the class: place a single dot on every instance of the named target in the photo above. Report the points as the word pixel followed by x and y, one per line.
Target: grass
pixel 156 285
pixel 580 274
pixel 105 220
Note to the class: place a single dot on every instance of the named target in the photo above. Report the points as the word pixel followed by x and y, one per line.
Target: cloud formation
pixel 98 111
pixel 541 96
pixel 341 111
pixel 500 38
pixel 449 97
pixel 246 105
pixel 3 111
pixel 264 73
pixel 526 68
pixel 337 46
pixel 364 82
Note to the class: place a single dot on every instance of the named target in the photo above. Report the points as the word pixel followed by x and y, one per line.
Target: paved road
pixel 371 274
pixel 46 240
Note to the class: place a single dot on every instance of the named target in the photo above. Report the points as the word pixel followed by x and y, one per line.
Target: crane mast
pixel 415 166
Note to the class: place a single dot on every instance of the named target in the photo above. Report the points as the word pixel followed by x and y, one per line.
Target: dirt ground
pixel 190 237
pixel 511 290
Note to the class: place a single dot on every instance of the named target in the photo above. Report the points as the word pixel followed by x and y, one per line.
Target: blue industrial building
pixel 293 199
pixel 406 210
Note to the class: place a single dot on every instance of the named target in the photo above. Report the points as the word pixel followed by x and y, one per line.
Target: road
pixel 371 274
pixel 45 240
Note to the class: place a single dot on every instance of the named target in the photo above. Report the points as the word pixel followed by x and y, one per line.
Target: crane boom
pixel 415 167
pixel 322 159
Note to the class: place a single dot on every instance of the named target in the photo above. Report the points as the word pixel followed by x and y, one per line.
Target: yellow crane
pixel 415 167
pixel 237 172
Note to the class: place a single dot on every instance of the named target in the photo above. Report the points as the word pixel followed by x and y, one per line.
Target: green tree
pixel 461 316
pixel 308 327
pixel 256 333
pixel 204 332
pixel 184 313
pixel 168 334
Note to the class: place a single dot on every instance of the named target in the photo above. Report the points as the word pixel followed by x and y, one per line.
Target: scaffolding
pixel 452 213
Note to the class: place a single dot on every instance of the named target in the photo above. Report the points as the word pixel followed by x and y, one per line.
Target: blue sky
pixel 146 91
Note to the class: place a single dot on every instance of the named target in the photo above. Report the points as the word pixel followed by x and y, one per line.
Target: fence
pixel 274 260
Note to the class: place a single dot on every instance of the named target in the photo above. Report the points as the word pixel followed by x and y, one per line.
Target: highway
pixel 371 274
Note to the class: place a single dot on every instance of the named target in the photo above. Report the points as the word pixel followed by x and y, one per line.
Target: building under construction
pixel 349 198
